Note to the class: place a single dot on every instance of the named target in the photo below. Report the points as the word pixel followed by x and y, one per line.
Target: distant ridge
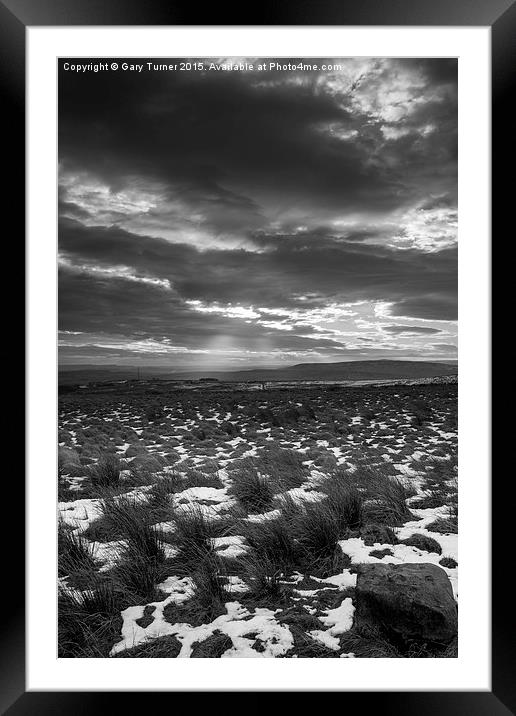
pixel 345 370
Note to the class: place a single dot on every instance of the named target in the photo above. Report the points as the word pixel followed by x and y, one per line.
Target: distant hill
pixel 346 370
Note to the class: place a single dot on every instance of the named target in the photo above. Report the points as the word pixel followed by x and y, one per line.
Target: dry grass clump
pixel 76 555
pixel 378 534
pixel 68 462
pixel 210 594
pixel 385 497
pixel 163 488
pixel 306 647
pixel 209 597
pixel 251 488
pixel 283 466
pixel 423 542
pixel 141 557
pixel 106 472
pixel 273 540
pixel 192 537
pixel 198 478
pixel 89 622
pixel 449 522
pixel 263 576
pixel 367 646
pixel 213 647
pixel 345 501
pixel 165 647
pixel 317 530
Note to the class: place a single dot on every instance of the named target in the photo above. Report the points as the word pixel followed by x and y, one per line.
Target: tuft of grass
pixel 145 468
pixel 451 651
pixel 210 594
pixel 119 513
pixel 381 553
pixel 420 411
pixel 298 616
pixel 154 413
pixel 378 534
pixel 136 579
pixel 377 642
pixel 142 556
pixel 88 622
pixel 385 497
pixel 68 462
pixel 290 508
pixel 251 489
pixel 273 540
pixel 200 478
pixel 448 523
pixel 159 495
pixel 130 519
pixel 213 647
pixel 283 466
pixel 101 598
pixel 430 499
pixel 345 500
pixel 306 647
pixel 262 576
pixel 193 525
pixel 367 646
pixel 193 536
pixel 333 563
pixel 448 562
pixel 106 473
pixel 423 542
pixel 75 554
pixel 439 473
pixel 443 525
pixel 197 478
pixel 165 647
pixel 318 530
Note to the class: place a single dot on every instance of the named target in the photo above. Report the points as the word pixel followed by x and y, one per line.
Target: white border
pixel 471 671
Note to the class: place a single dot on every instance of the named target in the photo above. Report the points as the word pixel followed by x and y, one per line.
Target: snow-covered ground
pixel 339 437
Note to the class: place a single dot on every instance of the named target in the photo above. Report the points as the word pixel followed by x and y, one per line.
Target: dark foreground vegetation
pixel 218 522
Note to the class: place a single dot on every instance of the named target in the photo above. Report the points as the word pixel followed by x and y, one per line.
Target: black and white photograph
pixel 258 375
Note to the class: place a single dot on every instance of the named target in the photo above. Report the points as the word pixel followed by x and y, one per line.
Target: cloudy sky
pixel 258 217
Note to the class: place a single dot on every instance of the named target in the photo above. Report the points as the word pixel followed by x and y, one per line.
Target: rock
pixel 411 602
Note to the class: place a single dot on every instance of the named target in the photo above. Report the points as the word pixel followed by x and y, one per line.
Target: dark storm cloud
pixel 223 140
pixel 185 193
pixel 194 132
pixel 140 312
pixel 410 329
pixel 429 306
pixel 445 347
pixel 295 266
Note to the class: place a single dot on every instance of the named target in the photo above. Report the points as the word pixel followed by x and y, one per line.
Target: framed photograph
pixel 258 351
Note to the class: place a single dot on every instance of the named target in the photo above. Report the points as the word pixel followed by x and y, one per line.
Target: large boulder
pixel 411 602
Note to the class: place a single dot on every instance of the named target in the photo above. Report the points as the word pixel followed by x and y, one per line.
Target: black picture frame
pixel 500 15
